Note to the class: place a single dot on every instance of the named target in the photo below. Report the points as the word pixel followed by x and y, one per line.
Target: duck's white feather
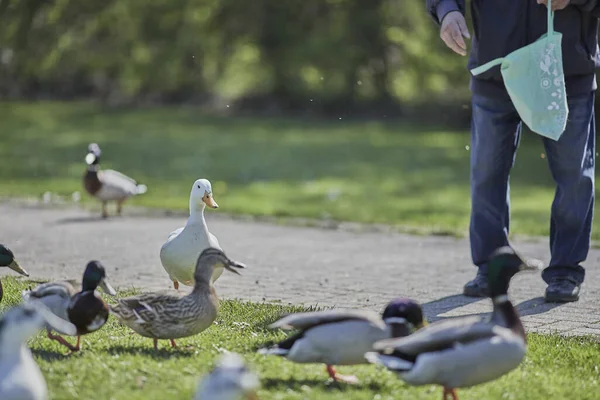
pixel 116 186
pixel 470 364
pixel 180 253
pixel 338 343
pixel 20 377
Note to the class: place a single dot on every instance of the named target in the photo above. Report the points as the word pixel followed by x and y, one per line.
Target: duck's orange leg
pixel 351 379
pixel 176 285
pixel 450 392
pixel 62 341
pixel 155 344
pixel 173 344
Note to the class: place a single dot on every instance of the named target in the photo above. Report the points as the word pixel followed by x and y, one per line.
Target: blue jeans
pixel 495 135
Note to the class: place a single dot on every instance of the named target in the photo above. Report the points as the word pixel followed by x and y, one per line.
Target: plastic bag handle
pixel 550 19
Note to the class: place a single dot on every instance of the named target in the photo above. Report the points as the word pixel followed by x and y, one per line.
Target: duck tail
pixel 141 189
pixel 390 362
pixel 274 351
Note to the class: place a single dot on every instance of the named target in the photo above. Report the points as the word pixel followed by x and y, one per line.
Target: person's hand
pixel 454 27
pixel 556 4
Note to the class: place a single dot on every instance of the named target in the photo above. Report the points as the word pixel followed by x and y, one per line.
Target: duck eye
pixel 198 186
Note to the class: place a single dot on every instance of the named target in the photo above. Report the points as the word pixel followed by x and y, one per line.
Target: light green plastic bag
pixel 534 79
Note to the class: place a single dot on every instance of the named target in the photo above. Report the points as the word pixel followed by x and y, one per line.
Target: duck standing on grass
pixel 7 259
pixel 180 252
pixel 230 380
pixel 342 337
pixel 167 316
pixel 20 376
pixel 108 185
pixel 85 309
pixel 464 351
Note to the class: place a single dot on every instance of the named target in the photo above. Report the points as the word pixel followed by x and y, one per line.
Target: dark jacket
pixel 503 26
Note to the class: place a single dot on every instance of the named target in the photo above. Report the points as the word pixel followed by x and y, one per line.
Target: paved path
pixel 291 264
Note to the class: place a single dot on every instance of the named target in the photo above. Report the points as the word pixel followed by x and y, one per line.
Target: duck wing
pixel 439 336
pixel 146 308
pixel 307 320
pixel 117 183
pixel 54 295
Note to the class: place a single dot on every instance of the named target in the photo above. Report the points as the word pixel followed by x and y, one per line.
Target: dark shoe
pixel 562 290
pixel 478 287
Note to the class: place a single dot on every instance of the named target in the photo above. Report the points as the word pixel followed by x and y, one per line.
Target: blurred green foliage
pixel 295 54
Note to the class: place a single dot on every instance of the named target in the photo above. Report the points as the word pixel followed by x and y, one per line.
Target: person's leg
pixel 495 134
pixel 571 161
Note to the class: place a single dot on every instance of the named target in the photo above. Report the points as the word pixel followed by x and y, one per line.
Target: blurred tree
pixel 323 55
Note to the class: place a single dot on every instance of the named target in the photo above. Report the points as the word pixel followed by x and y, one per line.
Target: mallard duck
pixel 165 316
pixel 230 380
pixel 7 259
pixel 20 376
pixel 179 253
pixel 342 337
pixel 107 184
pixel 464 351
pixel 85 309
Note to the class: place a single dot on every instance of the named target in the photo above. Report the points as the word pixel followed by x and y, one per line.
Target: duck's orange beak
pixel 209 201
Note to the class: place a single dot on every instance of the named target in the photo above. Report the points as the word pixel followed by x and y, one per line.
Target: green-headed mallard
pixel 180 252
pixel 167 316
pixel 20 376
pixel 464 351
pixel 7 259
pixel 342 337
pixel 85 309
pixel 107 184
pixel 230 380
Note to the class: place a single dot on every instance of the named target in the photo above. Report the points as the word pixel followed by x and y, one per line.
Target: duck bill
pixel 107 288
pixel 90 158
pixel 210 201
pixel 233 266
pixel 53 320
pixel 14 265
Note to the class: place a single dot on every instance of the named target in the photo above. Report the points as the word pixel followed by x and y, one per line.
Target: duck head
pixel 503 264
pixel 95 276
pixel 7 259
pixel 201 195
pixel 210 259
pixel 93 154
pixel 230 380
pixel 22 321
pixel 403 316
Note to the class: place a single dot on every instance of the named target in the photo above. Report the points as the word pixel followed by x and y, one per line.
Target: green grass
pixel 115 364
pixel 416 178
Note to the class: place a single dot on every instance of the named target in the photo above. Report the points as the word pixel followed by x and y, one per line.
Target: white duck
pixel 20 376
pixel 183 246
pixel 230 380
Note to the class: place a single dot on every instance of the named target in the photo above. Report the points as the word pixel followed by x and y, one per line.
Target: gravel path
pixel 291 264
